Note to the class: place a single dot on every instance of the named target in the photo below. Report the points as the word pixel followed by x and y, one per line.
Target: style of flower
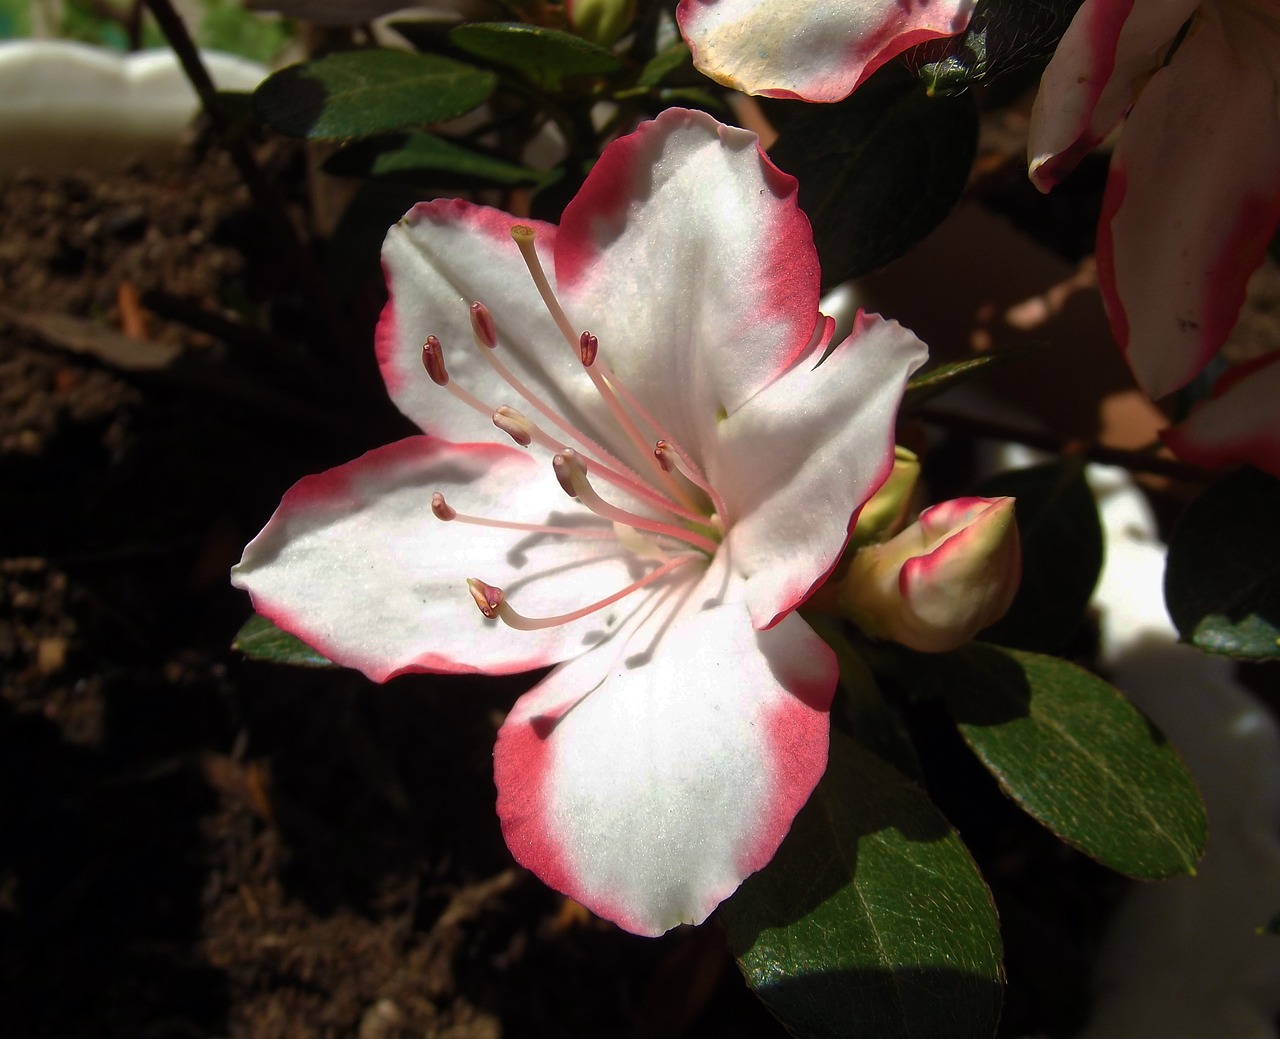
pixel 1193 194
pixel 806 50
pixel 681 454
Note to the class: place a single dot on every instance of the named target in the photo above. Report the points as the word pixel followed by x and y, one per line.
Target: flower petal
pixel 802 457
pixel 439 259
pixel 1178 239
pixel 686 254
pixel 1106 54
pixel 647 778
pixel 1239 423
pixel 355 563
pixel 813 51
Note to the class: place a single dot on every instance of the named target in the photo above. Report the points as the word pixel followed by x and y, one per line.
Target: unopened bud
pixel 884 514
pixel 940 581
pixel 600 21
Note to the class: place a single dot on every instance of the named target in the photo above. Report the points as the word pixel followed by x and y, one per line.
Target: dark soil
pixel 194 844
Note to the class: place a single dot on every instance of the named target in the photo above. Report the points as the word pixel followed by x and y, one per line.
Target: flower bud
pixel 883 515
pixel 600 21
pixel 942 580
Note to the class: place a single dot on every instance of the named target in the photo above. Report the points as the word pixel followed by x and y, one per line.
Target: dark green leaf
pixel 1061 554
pixel 360 93
pixel 878 171
pixel 1002 35
pixel 1222 582
pixel 1076 755
pixel 938 378
pixel 546 56
pixel 262 640
pixel 663 64
pixel 424 157
pixel 872 920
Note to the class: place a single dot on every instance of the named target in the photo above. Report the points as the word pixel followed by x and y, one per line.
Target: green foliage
pixel 872 920
pixel 260 639
pixel 879 170
pixel 1002 36
pixel 229 26
pixel 1075 755
pixel 546 56
pixel 1222 582
pixel 426 158
pixel 1061 554
pixel 360 93
pixel 936 379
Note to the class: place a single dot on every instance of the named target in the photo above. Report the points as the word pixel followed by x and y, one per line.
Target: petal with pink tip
pixel 1098 68
pixel 801 458
pixel 355 563
pixel 647 778
pixel 1240 423
pixel 813 51
pixel 686 254
pixel 1178 239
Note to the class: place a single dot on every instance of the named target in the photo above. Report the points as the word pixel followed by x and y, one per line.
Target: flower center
pixel 674 517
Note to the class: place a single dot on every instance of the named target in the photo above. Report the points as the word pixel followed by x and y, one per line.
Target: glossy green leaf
pixel 872 920
pixel 426 157
pixel 1222 581
pixel 260 639
pixel 1061 554
pixel 1076 755
pixel 938 378
pixel 546 56
pixel 1002 35
pixel 360 93
pixel 664 63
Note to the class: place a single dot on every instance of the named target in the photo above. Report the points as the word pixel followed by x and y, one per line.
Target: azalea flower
pixel 1193 194
pixel 812 51
pixel 641 453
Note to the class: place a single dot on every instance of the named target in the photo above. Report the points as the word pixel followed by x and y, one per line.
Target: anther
pixel 662 452
pixel 441 508
pixel 482 326
pixel 514 424
pixel 570 471
pixel 588 347
pixel 433 361
pixel 487 597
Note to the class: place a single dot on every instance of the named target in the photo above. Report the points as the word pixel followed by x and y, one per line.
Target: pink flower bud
pixel 942 580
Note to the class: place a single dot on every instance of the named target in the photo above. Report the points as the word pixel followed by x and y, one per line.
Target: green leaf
pixel 872 920
pixel 546 56
pixel 1075 755
pixel 1002 35
pixel 938 378
pixel 360 93
pixel 423 157
pixel 1222 580
pixel 879 170
pixel 260 639
pixel 1061 554
pixel 664 63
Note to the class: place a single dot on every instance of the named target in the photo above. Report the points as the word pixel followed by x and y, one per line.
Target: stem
pixel 1140 461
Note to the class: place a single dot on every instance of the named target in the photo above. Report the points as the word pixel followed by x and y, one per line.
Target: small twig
pixel 265 197
pixel 1134 461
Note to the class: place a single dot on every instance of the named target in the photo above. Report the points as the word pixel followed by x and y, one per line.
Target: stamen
pixel 442 509
pixel 487 597
pixel 493 603
pixel 433 361
pixel 446 512
pixel 588 347
pixel 482 326
pixel 572 475
pixel 515 425
pixel 672 456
